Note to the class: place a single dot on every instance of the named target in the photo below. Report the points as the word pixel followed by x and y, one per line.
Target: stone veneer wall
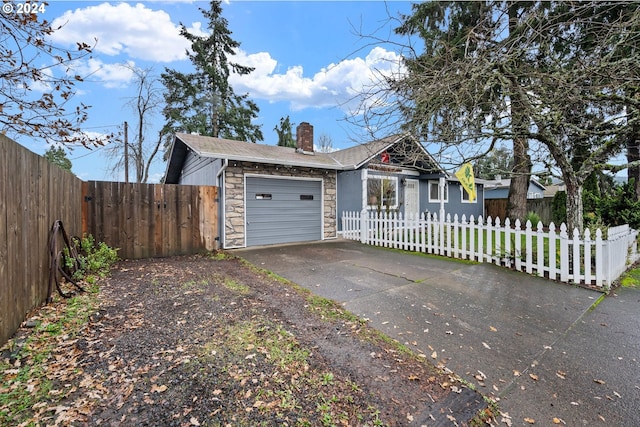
pixel 234 195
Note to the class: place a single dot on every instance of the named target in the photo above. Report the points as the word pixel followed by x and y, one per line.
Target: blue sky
pixel 309 61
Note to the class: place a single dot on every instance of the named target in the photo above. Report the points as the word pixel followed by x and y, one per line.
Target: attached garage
pixel 282 210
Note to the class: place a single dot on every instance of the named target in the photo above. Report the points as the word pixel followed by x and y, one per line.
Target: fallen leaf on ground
pixel 493 329
pixel 158 388
pixel 534 377
pixel 506 419
pixel 530 420
pixel 598 381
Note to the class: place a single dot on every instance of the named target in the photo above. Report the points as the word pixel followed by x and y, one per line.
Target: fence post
pixel 508 256
pixel 448 231
pixel 463 231
pixel 552 251
pixel 576 256
pixel 564 253
pixel 456 236
pixel 364 226
pixel 497 244
pixel 600 276
pixel 587 257
pixel 472 238
pixel 480 239
pixel 528 248
pixel 518 249
pixel 540 254
pixel 489 240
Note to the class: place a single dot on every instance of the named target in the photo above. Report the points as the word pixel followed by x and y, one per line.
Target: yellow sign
pixel 465 175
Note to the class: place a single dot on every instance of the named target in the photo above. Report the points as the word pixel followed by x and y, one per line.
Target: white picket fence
pixel 587 259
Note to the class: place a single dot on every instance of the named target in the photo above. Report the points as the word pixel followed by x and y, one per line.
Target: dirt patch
pixel 206 340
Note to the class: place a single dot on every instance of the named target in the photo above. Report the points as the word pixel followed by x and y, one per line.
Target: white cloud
pixel 133 30
pixel 110 75
pixel 333 85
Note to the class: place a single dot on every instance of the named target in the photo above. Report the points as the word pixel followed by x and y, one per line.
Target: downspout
pixel 221 221
pixel 441 185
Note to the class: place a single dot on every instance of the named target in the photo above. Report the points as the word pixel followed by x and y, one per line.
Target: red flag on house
pixel 385 157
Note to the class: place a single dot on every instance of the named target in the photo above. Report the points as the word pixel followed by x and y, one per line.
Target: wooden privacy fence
pixel 564 256
pixel 151 220
pixel 497 208
pixel 143 220
pixel 33 194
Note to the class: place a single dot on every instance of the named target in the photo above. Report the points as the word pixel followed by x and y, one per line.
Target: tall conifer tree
pixel 203 101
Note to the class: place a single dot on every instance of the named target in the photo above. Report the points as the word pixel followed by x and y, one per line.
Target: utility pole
pixel 126 152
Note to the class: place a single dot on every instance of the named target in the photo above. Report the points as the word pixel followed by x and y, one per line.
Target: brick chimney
pixel 304 137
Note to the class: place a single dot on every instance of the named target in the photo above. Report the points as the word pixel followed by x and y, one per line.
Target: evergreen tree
pixel 58 156
pixel 285 134
pixel 203 101
pixel 497 162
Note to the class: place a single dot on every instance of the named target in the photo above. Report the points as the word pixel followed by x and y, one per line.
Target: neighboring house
pixel 499 189
pixel 271 194
pixel 551 190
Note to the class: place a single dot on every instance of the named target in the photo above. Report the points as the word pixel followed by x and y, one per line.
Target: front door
pixel 411 197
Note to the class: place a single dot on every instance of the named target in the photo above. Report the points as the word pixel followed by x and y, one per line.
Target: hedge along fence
pixel 591 259
pixel 33 194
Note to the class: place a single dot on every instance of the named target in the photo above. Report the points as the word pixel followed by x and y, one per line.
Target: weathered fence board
pixel 33 194
pixel 151 220
pixel 497 208
pixel 143 220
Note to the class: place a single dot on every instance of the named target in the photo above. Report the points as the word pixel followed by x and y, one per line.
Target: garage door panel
pixel 282 210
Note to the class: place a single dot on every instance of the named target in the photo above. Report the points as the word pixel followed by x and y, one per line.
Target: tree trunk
pixel 574 205
pixel 521 174
pixel 519 187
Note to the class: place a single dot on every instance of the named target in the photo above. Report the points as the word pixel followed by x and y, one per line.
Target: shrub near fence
pixel 555 254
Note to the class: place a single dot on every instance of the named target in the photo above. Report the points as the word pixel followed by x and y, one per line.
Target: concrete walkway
pixel 549 352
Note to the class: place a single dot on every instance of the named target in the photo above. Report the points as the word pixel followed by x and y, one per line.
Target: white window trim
pixel 394 179
pixel 467 201
pixel 437 183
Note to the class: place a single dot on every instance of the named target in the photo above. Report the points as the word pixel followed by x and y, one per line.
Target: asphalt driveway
pixel 550 353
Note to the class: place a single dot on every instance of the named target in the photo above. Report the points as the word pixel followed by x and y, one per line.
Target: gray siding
pixel 534 191
pixel 199 170
pixel 283 210
pixel 349 193
pixel 454 204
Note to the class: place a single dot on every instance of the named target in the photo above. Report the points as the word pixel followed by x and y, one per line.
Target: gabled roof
pixel 405 151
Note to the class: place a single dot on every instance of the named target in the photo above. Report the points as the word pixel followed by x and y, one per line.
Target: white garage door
pixel 283 211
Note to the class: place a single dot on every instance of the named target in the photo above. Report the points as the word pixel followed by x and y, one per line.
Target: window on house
pixel 434 192
pixel 382 192
pixel 465 196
